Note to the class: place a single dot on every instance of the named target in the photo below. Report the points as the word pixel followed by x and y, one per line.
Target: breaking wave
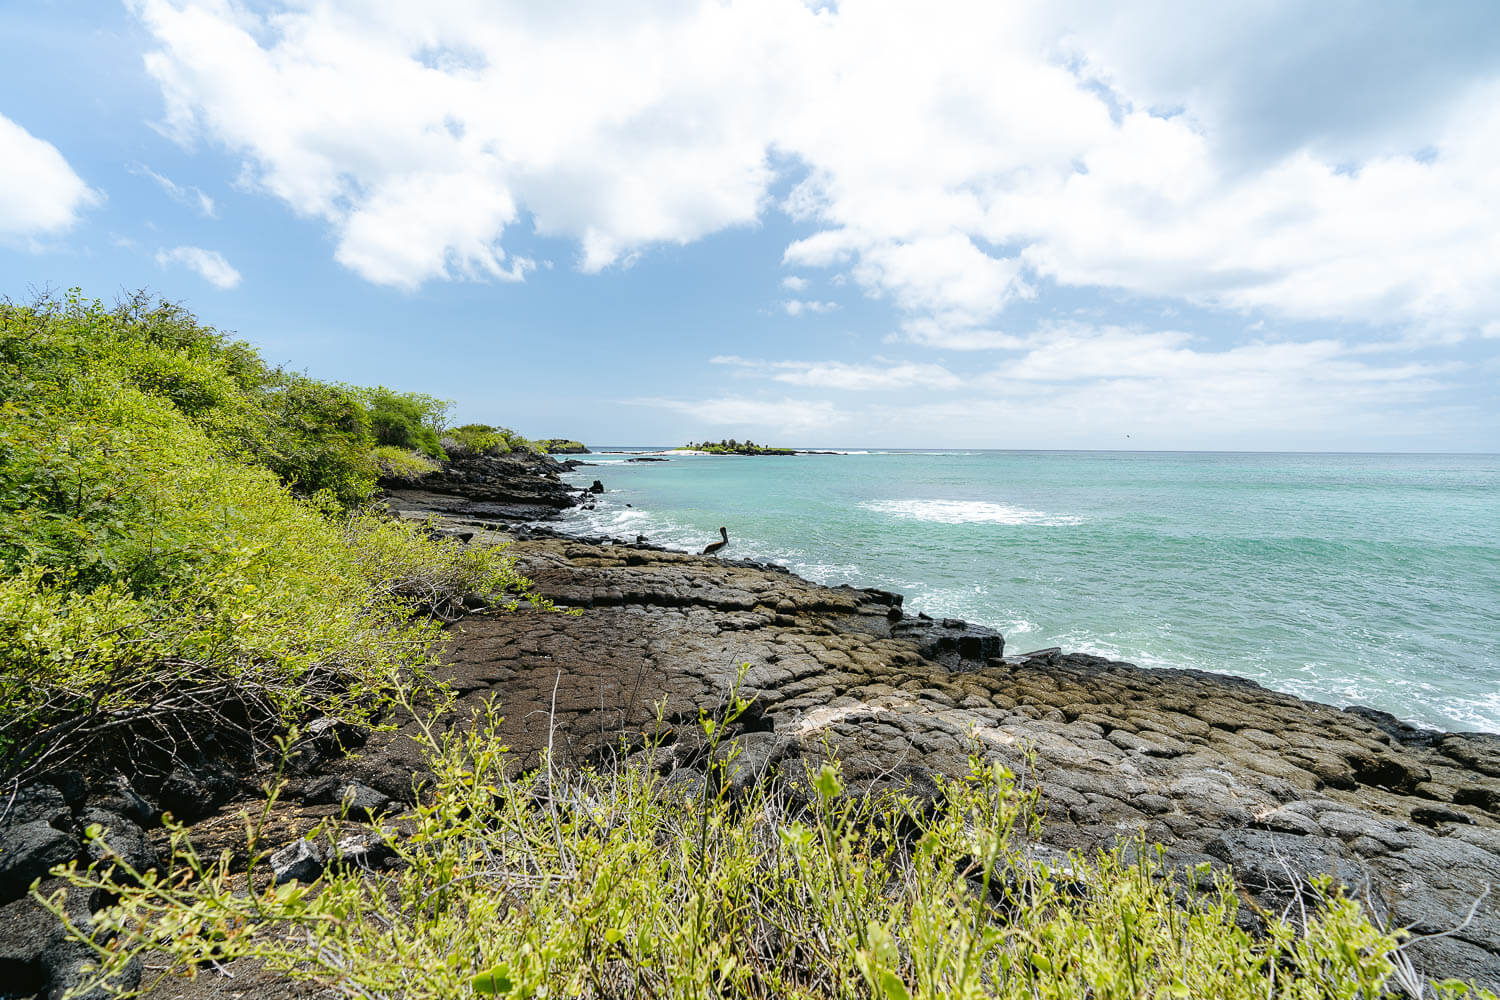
pixel 967 512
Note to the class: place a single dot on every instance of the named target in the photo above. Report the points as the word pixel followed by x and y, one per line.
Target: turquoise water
pixel 1368 579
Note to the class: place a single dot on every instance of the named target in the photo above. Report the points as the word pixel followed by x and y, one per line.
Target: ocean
pixel 1348 579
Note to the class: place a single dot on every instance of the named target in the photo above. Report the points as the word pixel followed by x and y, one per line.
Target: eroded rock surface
pixel 1219 769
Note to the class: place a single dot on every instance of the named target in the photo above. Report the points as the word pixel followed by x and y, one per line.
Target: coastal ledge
pixel 1218 769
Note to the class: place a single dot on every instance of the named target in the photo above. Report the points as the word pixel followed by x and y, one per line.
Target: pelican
pixel 716 546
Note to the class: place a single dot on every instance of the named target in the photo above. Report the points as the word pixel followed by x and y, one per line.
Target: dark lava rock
pixel 363 801
pixel 37 958
pixel 116 794
pixel 504 489
pixel 359 799
pixel 366 849
pixel 36 803
pixel 952 642
pixel 191 793
pixel 27 851
pixel 120 838
pixel 1435 815
pixel 300 861
pixel 752 758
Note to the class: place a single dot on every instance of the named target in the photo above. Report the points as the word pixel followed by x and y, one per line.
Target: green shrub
pixel 158 578
pixel 620 885
pixel 318 438
pixel 550 446
pixel 482 439
pixel 406 420
pixel 398 463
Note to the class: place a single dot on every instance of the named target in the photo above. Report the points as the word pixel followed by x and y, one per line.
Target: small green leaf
pixel 493 982
pixel 892 986
pixel 827 783
pixel 613 935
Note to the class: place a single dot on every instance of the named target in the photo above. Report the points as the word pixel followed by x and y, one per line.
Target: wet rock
pixel 953 642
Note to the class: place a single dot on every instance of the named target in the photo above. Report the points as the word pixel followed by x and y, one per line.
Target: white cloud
pixel 953 158
pixel 792 283
pixel 930 332
pixel 209 265
pixel 185 194
pixel 796 307
pixel 1075 385
pixel 40 194
pixel 882 374
pixel 418 132
pixel 791 416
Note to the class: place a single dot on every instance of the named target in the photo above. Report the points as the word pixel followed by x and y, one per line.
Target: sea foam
pixel 967 512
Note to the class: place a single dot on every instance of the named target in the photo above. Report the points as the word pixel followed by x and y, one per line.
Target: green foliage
pixel 317 437
pixel 730 446
pixel 158 574
pixel 398 463
pixel 621 885
pixel 559 446
pixel 406 420
pixel 482 439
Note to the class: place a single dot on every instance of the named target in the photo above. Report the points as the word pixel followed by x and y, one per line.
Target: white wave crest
pixel 967 512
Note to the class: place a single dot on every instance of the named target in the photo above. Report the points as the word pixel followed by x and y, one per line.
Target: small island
pixel 561 446
pixel 733 447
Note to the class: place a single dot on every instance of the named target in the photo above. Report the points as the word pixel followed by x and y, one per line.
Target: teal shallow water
pixel 1369 579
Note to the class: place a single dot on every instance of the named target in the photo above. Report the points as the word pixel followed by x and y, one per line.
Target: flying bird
pixel 716 546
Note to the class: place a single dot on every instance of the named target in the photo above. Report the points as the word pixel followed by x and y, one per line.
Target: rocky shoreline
pixel 1219 770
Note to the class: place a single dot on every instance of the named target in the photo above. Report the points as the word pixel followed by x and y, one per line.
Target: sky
pixel 1066 224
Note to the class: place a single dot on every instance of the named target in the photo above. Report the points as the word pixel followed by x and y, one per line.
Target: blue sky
pixel 863 224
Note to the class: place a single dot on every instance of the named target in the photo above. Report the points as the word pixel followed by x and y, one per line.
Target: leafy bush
pixel 398 463
pixel 406 420
pixel 482 439
pixel 623 885
pixel 318 438
pixel 553 446
pixel 158 579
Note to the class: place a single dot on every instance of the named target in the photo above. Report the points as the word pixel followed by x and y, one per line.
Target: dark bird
pixel 716 546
